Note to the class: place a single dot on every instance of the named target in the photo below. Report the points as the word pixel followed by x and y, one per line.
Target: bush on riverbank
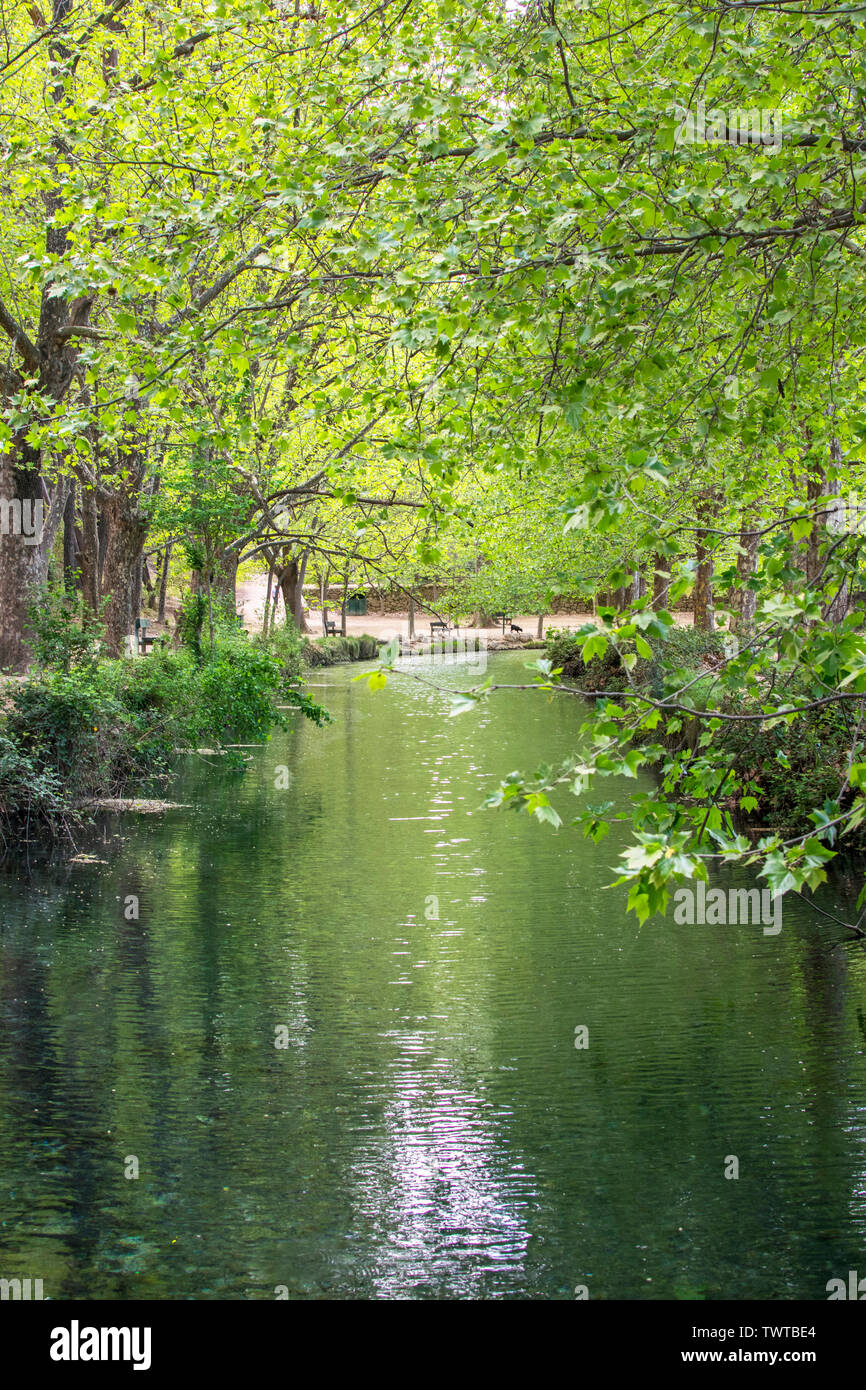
pixel 28 795
pixel 80 728
pixel 684 653
pixel 792 768
pixel 785 771
pixel 604 673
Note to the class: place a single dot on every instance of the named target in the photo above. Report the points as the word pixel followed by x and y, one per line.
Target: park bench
pixel 330 629
pixel 443 628
pixel 506 618
pixel 142 640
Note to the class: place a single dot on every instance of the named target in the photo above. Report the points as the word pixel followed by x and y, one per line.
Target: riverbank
pixel 80 730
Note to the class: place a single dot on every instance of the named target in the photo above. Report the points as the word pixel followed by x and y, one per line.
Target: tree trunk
pixel 840 598
pixel 226 576
pixel 291 579
pixel 70 545
pixel 148 581
pixel 126 529
pixel 163 582
pixel 816 484
pixel 136 588
pixel 703 595
pixel 323 595
pixel 23 558
pixel 102 524
pixel 267 609
pixel 88 555
pixel 661 582
pixel 299 615
pixel 209 579
pixel 539 631
pixel 743 621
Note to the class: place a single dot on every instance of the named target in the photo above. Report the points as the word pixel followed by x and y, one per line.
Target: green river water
pixel 428 1127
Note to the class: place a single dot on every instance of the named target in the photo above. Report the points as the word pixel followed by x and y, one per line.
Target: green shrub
pixel 90 731
pixel 70 723
pixel 161 696
pixel 236 691
pixel 64 633
pixel 603 673
pixel 684 652
pixel 286 643
pixel 31 796
pixel 676 659
pixel 191 618
pixel 794 768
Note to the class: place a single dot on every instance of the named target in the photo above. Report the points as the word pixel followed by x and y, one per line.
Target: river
pixel 337 1046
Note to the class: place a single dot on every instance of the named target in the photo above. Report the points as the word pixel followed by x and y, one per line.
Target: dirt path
pixel 251 601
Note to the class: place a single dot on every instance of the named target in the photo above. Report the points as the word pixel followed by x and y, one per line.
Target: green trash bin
pixel 357 605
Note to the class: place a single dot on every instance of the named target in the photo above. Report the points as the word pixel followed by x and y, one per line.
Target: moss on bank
pixel 333 651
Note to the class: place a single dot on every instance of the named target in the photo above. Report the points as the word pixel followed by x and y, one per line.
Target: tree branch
pixel 13 329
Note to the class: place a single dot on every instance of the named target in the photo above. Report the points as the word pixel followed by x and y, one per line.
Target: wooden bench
pixel 443 628
pixel 141 640
pixel 330 629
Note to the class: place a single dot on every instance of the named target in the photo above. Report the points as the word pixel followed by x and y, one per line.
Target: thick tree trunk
pixel 226 576
pixel 102 524
pixel 287 579
pixel 23 558
pixel 126 529
pixel 299 614
pixel 291 579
